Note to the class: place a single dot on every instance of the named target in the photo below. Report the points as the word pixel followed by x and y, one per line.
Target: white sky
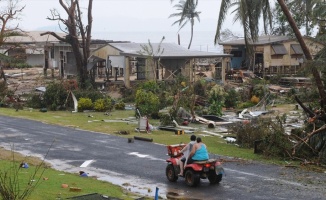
pixel 125 15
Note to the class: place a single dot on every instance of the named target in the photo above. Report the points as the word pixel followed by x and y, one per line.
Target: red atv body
pixel 209 169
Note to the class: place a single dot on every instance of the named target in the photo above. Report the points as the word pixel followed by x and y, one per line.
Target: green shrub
pixel 120 105
pixel 165 119
pixel 34 100
pixel 55 96
pixel 20 65
pixel 246 104
pixel 91 94
pixel 231 98
pixel 216 100
pixel 103 104
pixel 147 102
pixel 85 104
pixel 151 86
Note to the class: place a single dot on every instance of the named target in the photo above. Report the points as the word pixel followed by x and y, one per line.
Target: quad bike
pixel 209 169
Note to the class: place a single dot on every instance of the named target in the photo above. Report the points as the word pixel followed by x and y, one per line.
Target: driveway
pixel 140 166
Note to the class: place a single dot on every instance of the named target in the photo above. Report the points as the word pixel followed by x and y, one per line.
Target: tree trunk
pixel 306 52
pixel 192 32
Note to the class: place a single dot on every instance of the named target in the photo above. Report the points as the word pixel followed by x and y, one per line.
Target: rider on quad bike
pixel 194 170
pixel 186 152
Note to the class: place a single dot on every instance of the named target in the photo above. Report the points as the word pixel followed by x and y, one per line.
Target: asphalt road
pixel 142 165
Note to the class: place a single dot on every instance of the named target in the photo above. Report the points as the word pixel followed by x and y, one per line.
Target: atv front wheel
pixel 170 173
pixel 214 178
pixel 192 179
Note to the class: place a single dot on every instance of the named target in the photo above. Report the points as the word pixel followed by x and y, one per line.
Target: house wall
pixel 35 60
pixel 275 64
pixel 173 67
pixel 239 55
pixel 106 51
pixel 285 60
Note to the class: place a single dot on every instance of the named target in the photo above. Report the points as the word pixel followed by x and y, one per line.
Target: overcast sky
pixel 124 15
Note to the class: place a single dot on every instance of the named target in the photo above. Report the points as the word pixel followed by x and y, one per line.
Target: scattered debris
pixel 24 165
pixel 230 140
pixel 83 174
pixel 75 189
pixel 40 89
pixel 123 132
pixel 143 139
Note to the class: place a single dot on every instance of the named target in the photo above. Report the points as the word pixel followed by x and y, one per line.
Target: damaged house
pixel 117 60
pixel 273 55
pixel 129 62
pixel 44 51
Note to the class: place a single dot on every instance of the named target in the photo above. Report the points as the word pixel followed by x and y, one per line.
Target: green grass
pixel 50 182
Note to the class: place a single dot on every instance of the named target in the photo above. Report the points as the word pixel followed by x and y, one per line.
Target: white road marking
pixel 86 163
pixel 145 156
pixel 138 154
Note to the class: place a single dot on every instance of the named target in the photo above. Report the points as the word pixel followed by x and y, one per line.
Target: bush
pixel 34 100
pixel 151 86
pixel 231 98
pixel 165 119
pixel 246 104
pixel 147 102
pixel 103 104
pixel 85 104
pixel 55 96
pixel 91 94
pixel 120 105
pixel 71 84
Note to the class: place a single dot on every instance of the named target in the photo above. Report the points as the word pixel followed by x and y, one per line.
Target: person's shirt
pixel 201 153
pixel 186 151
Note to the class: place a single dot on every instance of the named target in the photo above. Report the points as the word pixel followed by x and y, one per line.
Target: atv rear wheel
pixel 170 173
pixel 192 179
pixel 214 178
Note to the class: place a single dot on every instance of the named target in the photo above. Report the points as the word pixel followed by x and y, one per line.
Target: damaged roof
pixel 33 37
pixel 170 50
pixel 261 40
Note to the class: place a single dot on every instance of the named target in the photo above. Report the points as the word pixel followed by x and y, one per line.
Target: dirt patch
pixel 24 81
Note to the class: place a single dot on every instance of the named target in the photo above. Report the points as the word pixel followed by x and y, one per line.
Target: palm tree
pixel 187 13
pixel 305 10
pixel 248 13
pixel 306 52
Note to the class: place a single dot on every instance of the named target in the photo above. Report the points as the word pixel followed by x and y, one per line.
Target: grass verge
pixel 50 182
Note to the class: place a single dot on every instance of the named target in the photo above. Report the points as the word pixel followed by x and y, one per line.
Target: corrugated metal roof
pixel 266 39
pixel 279 49
pixel 171 50
pixel 32 37
pixel 297 49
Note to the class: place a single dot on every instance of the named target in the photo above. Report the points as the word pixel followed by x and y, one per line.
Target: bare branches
pixel 78 35
pixel 306 139
pixel 8 14
pixel 54 35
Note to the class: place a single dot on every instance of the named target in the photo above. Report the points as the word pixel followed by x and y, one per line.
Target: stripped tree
pixel 187 13
pixel 78 35
pixel 8 13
